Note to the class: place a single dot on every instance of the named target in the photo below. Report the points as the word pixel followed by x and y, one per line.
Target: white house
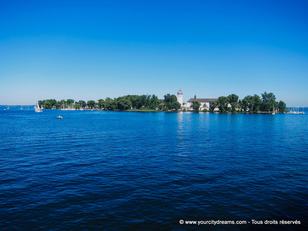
pixel 205 102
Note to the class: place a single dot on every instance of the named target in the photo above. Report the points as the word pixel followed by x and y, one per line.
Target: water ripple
pixel 119 171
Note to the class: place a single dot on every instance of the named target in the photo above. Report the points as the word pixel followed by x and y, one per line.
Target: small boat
pixel 60 117
pixel 37 108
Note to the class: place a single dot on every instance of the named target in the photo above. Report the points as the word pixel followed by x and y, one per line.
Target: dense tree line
pixel 138 102
pixel 266 103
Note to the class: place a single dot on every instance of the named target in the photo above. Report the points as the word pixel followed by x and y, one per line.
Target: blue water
pixel 147 171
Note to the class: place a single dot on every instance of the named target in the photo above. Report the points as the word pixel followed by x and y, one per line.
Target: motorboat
pixel 60 117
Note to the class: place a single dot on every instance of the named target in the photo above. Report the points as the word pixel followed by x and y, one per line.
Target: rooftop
pixel 202 100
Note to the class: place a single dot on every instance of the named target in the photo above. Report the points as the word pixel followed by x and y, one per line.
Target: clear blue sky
pixel 97 49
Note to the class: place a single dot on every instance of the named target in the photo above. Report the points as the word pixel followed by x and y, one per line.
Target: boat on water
pixel 273 112
pixel 60 117
pixel 37 108
pixel 64 108
pixel 296 111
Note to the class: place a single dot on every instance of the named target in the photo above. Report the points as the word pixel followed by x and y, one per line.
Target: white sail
pixel 37 108
pixel 273 112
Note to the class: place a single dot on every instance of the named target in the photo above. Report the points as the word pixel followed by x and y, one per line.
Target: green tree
pixel 101 103
pixel 248 103
pixel 82 103
pixel 282 106
pixel 213 105
pixel 148 101
pixel 153 102
pixel 233 100
pixel 124 104
pixel 134 99
pixel 141 101
pixel 241 105
pixel 113 104
pixel 245 103
pixel 257 102
pixel 196 105
pixel 173 99
pixel 268 101
pixel 108 103
pixel 76 106
pixel 91 104
pixel 223 104
pixel 47 105
pixel 52 102
pixel 170 100
pixel 176 105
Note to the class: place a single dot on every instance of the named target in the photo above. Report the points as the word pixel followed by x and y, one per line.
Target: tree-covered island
pixel 224 104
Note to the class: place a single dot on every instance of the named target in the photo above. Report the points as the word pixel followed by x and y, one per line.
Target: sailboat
pixel 63 109
pixel 295 111
pixel 37 108
pixel 273 112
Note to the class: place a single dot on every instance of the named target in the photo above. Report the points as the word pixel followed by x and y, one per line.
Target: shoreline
pixel 179 111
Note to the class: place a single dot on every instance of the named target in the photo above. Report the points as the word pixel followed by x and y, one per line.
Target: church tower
pixel 180 97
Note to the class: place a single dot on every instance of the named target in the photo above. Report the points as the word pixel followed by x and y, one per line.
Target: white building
pixel 205 102
pixel 180 97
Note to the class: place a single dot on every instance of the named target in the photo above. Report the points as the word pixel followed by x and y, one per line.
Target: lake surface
pixel 151 171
